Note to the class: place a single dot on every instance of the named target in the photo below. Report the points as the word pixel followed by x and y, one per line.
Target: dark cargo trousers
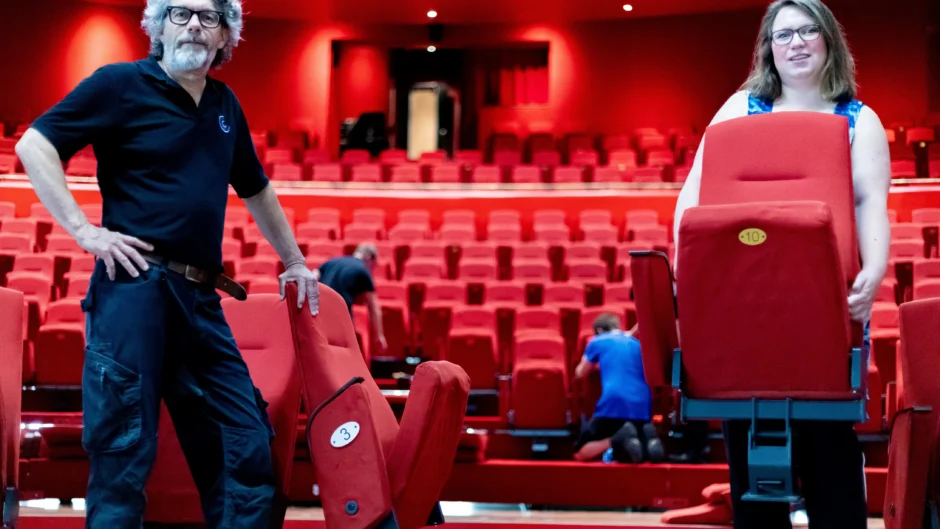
pixel 161 336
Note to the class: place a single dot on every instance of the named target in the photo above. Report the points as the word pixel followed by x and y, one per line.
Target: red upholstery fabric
pixel 913 458
pixel 775 167
pixel 11 368
pixel 715 511
pixel 262 331
pixel 656 317
pixel 384 468
pixel 778 308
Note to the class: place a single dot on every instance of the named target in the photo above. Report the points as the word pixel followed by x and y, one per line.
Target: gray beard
pixel 187 58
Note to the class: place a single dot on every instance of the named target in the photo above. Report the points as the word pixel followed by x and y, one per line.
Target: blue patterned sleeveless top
pixel 849 109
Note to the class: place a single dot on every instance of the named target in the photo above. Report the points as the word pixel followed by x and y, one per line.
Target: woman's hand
pixel 862 294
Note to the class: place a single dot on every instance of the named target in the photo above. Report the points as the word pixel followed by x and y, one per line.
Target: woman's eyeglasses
pixel 182 15
pixel 785 36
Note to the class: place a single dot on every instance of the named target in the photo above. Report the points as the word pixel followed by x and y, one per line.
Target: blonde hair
pixel 838 74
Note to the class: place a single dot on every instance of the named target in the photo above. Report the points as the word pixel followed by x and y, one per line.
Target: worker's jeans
pixel 161 336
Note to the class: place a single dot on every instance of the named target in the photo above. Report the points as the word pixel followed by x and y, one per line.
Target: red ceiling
pixel 475 11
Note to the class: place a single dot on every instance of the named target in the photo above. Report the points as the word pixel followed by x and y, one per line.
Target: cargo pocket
pixel 111 418
pixel 249 477
pixel 263 411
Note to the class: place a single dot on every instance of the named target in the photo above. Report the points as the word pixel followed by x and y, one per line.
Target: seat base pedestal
pixel 11 508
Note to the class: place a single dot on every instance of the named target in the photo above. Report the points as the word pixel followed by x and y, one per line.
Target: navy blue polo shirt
pixel 164 164
pixel 348 276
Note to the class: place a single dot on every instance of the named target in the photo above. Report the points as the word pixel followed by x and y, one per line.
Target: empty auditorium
pixel 366 264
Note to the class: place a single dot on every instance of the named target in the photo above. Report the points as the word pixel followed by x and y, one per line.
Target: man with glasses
pixel 169 141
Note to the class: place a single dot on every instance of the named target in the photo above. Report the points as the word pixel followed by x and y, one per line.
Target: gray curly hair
pixel 155 15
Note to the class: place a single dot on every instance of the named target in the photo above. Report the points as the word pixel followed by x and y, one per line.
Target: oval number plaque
pixel 345 434
pixel 752 236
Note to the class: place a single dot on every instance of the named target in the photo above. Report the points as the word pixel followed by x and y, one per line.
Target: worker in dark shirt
pixel 169 140
pixel 620 427
pixel 351 278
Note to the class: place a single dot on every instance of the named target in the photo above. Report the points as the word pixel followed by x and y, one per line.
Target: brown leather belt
pixel 198 275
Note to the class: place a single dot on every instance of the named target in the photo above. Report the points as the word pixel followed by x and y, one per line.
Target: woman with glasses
pixel 802 63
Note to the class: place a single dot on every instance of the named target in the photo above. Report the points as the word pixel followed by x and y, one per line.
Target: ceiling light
pixel 432 14
pixel 432 48
pixel 627 7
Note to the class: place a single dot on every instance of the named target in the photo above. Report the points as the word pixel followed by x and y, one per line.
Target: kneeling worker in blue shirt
pixel 621 425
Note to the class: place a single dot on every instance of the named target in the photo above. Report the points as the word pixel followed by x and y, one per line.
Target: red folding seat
pixel 473 344
pixel 274 155
pixel 586 158
pixel 538 320
pixel 27 226
pixel 76 284
pixel 549 217
pixel 605 235
pixel 647 174
pixel 393 156
pixel 926 216
pixel 440 299
pixel 262 330
pixel 469 157
pixel 327 172
pixel 620 296
pixel 607 174
pixel 415 216
pixel 264 285
pixel 396 471
pixel 506 298
pixel 446 174
pixel 39 263
pixel 526 174
pixel 476 273
pixel 457 233
pixel 7 163
pixel 739 358
pixel 660 157
pixel 505 216
pixel 641 217
pixel 552 233
pixel 11 391
pixel 622 159
pixel 355 157
pixel 530 251
pixel 37 289
pixel 531 271
pixel 417 273
pixel 658 235
pixel 592 273
pixel 396 317
pixel 486 174
pixel 506 158
pixel 7 211
pixel 459 216
pixel 568 175
pixel 905 231
pixel 356 233
pixel 912 493
pixel 366 173
pixel 927 289
pixel 287 172
pixel 11 245
pixel 406 174
pixel 408 232
pixel 504 233
pixel 369 216
pixel 258 266
pixel 59 351
pixel 546 159
pixel 539 394
pixel 583 251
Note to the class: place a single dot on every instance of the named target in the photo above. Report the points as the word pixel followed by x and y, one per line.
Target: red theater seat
pixel 262 329
pixel 472 344
pixel 540 383
pixel 59 350
pixel 11 369
pixel 389 470
pixel 912 492
pixel 784 225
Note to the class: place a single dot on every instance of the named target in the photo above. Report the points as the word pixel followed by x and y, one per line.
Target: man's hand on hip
pixel 307 286
pixel 111 246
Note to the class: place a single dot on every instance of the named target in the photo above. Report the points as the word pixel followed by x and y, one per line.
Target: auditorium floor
pixel 456 514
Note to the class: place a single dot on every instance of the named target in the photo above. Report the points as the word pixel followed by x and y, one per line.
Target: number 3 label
pixel 345 434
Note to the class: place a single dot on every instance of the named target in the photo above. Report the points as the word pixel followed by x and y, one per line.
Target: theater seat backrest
pixel 332 330
pixel 11 369
pixel 920 352
pixel 787 156
pixel 655 314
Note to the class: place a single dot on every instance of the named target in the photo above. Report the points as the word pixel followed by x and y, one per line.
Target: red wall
pixel 603 77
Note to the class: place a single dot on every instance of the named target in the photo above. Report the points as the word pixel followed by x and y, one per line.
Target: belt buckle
pixel 191 276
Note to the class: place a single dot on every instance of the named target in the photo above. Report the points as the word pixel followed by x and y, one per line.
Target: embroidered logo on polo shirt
pixel 225 128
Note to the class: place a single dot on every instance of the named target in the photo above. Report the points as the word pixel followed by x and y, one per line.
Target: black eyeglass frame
pixel 170 10
pixel 799 30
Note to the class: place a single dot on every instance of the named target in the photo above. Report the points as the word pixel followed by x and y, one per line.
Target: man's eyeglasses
pixel 785 36
pixel 182 15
